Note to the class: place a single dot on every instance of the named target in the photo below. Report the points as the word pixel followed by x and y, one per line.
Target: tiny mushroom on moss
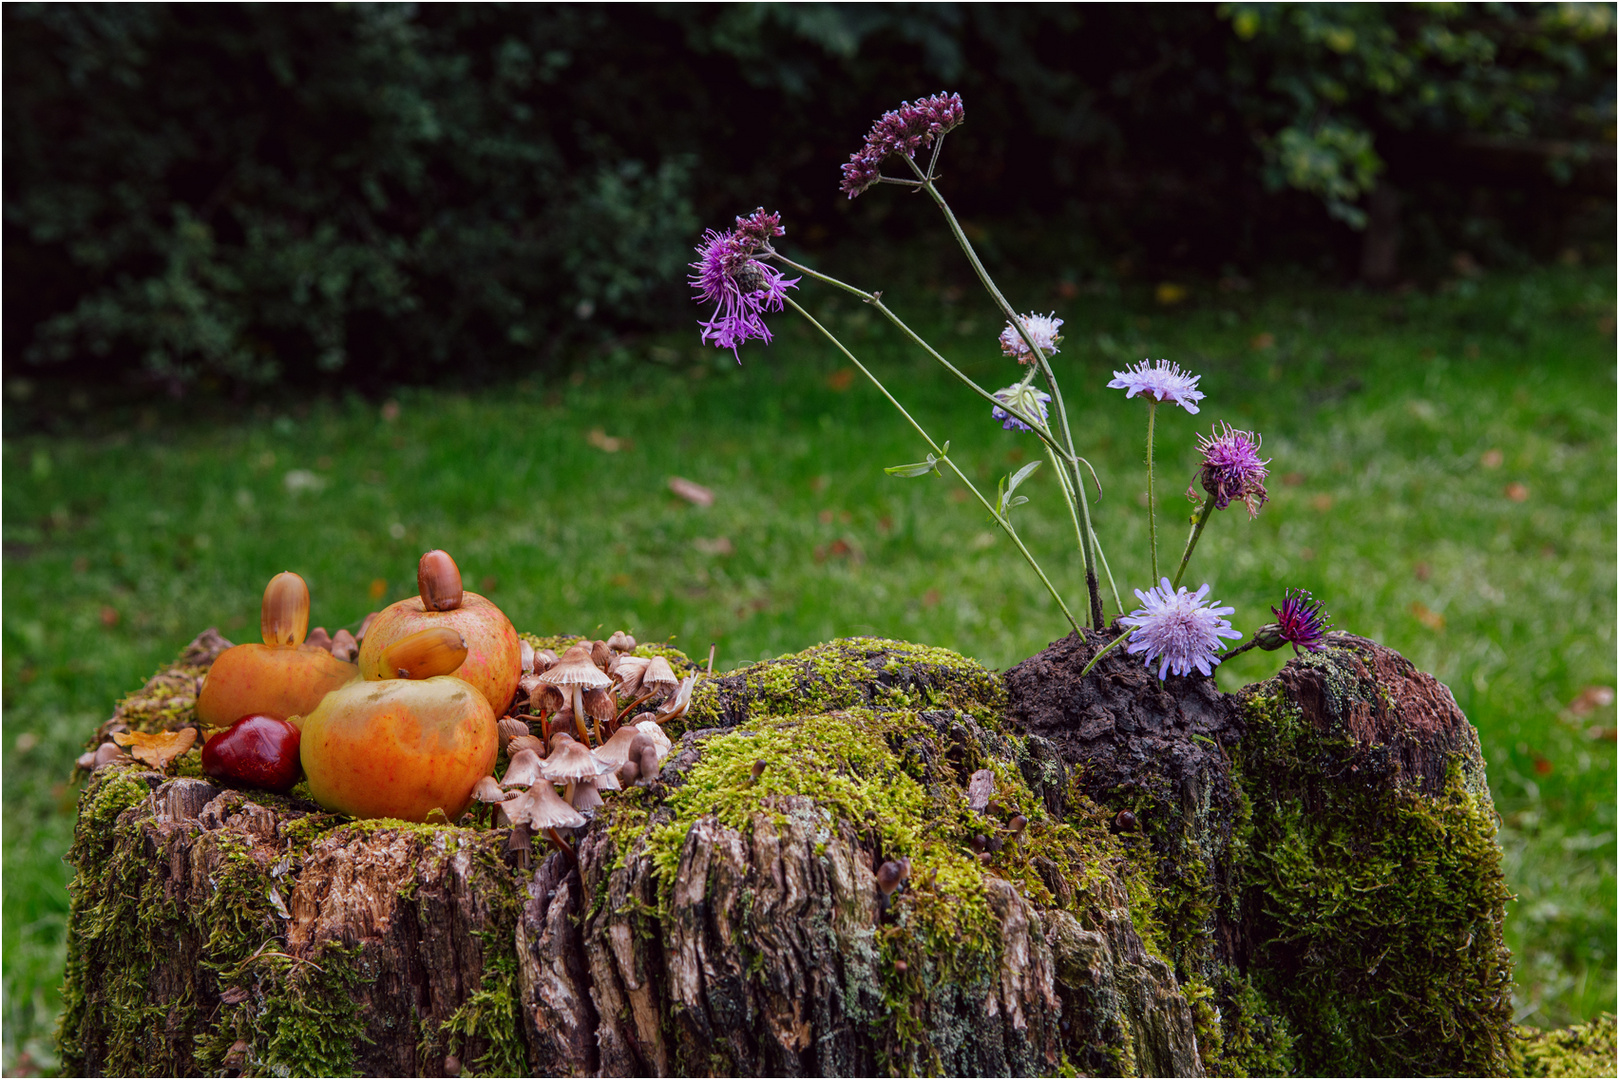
pixel 542 809
pixel 659 678
pixel 676 706
pixel 525 655
pixel 620 642
pixel 571 762
pixel 525 742
pixel 344 646
pixel 510 728
pixel 629 672
pixel 525 769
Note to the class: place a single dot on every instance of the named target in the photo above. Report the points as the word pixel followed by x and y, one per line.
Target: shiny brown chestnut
pixel 257 750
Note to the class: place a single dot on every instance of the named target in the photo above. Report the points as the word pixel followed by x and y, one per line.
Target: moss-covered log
pixel 1111 877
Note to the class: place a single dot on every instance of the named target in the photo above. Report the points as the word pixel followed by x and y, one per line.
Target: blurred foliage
pixel 367 194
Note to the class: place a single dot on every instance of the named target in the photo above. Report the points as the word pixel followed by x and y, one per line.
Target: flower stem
pixel 1103 651
pixel 1191 541
pixel 1152 515
pixel 1109 572
pixel 1087 546
pixel 944 458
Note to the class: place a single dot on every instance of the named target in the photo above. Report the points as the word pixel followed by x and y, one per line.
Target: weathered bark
pixel 725 919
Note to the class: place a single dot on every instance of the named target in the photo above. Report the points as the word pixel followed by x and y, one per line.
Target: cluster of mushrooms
pixel 600 712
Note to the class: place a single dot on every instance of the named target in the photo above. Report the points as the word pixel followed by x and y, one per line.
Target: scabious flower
pixel 1042 328
pixel 1300 622
pixel 1024 398
pixel 1178 629
pixel 1233 469
pixel 740 288
pixel 904 130
pixel 1162 382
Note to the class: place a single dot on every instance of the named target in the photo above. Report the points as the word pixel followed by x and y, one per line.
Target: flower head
pixel 904 130
pixel 1300 622
pixel 740 288
pixel 1162 382
pixel 1042 328
pixel 1178 629
pixel 1026 399
pixel 1233 469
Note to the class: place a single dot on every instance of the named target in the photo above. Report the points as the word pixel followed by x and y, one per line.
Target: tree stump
pixel 1112 876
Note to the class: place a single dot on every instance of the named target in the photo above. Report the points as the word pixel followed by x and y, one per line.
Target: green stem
pixel 1103 651
pixel 1152 516
pixel 1087 546
pixel 944 458
pixel 1203 516
pixel 1110 582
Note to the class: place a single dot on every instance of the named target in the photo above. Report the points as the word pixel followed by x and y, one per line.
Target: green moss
pixel 849 673
pixel 312 1025
pixel 491 1014
pixel 1582 1050
pixel 1376 910
pixel 1238 1033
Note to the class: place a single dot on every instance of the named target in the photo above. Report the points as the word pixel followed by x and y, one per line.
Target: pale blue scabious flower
pixel 1162 382
pixel 1042 328
pixel 1178 629
pixel 1026 399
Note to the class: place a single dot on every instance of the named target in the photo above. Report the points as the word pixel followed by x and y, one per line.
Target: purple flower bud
pixel 904 130
pixel 1232 468
pixel 1300 622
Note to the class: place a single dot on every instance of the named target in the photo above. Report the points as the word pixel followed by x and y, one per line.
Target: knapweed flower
pixel 1178 629
pixel 1300 622
pixel 904 130
pixel 1233 469
pixel 1026 399
pixel 1042 328
pixel 1162 382
pixel 740 288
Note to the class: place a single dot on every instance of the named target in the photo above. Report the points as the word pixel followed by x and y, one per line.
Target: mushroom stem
pixel 632 706
pixel 579 713
pixel 556 838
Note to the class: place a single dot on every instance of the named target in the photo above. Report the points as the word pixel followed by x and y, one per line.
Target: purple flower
pixel 1161 382
pixel 904 130
pixel 1300 622
pixel 1178 629
pixel 1232 468
pixel 1026 399
pixel 740 288
pixel 1042 328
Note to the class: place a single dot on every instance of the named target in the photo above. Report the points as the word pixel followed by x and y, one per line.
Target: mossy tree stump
pixel 1165 880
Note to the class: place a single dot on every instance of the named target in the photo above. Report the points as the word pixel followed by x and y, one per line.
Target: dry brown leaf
pixel 157 749
pixel 694 493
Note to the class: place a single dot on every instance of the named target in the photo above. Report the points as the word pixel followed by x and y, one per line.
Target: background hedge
pixel 366 194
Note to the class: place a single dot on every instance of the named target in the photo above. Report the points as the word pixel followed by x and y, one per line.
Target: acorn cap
pixel 541 807
pixel 525 769
pixel 575 668
pixel 570 761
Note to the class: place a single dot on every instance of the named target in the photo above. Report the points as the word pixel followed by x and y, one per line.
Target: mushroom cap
pixel 617 749
pixel 525 653
pixel 571 761
pixel 511 728
pixel 575 668
pixel 602 656
pixel 607 780
pixel 660 740
pixel 586 797
pixel 541 807
pixel 544 660
pixel 620 641
pixel 528 683
pixel 525 769
pixel 525 742
pixel 488 790
pixel 629 672
pixel 599 705
pixel 659 676
pixel 678 701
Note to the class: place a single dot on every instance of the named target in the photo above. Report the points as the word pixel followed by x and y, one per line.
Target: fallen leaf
pixel 1492 459
pixel 719 545
pixel 1427 616
pixel 1516 492
pixel 1265 340
pixel 694 493
pixel 1169 294
pixel 1585 703
pixel 1322 503
pixel 1423 571
pixel 841 379
pixel 603 441
pixel 158 748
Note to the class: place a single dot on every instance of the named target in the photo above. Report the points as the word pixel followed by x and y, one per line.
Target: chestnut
pixel 260 751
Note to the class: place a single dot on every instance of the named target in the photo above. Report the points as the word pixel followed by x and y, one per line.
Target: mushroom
pixel 586 796
pixel 602 656
pixel 525 769
pixel 656 734
pixel 544 660
pixel 676 706
pixel 510 728
pixel 319 638
pixel 488 790
pixel 600 707
pixel 659 678
pixel 573 674
pixel 890 875
pixel 525 653
pixel 622 746
pixel 525 742
pixel 540 808
pixel 620 642
pixel 529 685
pixel 344 646
pixel 570 762
pixel 629 672
pixel 628 773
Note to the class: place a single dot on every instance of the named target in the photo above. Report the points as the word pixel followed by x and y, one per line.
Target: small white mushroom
pixel 660 740
pixel 573 674
pixel 526 652
pixel 620 641
pixel 659 678
pixel 629 672
pixel 525 769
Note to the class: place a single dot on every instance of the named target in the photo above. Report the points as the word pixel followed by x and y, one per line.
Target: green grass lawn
pixel 1443 478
